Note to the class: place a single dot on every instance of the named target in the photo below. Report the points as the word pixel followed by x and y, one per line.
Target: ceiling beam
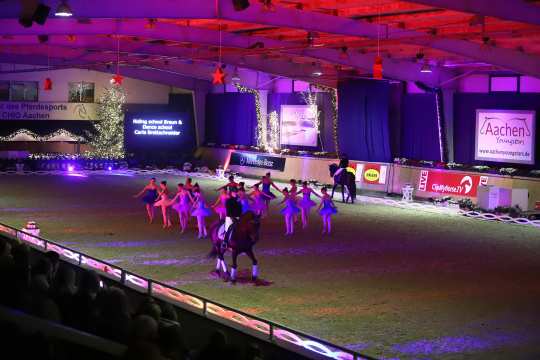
pixel 519 11
pixel 393 68
pixel 170 78
pixel 103 50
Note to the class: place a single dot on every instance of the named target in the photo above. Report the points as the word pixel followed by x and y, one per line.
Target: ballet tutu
pixel 245 207
pixel 306 203
pixel 269 193
pixel 290 210
pixel 220 210
pixel 328 210
pixel 150 197
pixel 181 207
pixel 201 211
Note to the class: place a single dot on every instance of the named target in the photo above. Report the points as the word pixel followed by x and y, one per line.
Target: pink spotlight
pixel 70 168
pixel 109 168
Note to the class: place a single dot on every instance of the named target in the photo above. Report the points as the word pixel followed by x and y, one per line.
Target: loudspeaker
pixel 240 5
pixel 41 14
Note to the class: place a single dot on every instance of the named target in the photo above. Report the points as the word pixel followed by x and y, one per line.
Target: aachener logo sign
pixel 256 160
pixel 47 111
pixel 505 136
pixel 450 183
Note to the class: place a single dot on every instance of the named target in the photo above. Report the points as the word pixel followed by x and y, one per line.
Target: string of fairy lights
pixel 28 135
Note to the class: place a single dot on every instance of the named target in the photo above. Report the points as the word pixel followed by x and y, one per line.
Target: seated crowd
pixel 43 286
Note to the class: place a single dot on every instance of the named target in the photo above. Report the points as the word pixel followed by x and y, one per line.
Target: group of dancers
pixel 189 202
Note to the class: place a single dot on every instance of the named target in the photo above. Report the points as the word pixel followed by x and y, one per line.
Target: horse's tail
pixel 213 236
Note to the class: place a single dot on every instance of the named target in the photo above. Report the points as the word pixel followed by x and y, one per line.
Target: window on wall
pixel 81 92
pixel 4 90
pixel 24 91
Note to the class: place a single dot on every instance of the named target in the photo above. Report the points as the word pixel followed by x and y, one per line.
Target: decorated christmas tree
pixel 107 140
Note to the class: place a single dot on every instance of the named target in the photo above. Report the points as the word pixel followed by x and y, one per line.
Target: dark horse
pixel 245 234
pixel 346 179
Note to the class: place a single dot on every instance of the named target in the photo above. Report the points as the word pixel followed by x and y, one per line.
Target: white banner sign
pixel 299 125
pixel 47 111
pixel 505 136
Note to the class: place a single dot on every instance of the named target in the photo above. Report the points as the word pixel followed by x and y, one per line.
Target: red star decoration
pixel 218 76
pixel 117 79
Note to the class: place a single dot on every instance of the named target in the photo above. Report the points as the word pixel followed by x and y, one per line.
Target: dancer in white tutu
pixel 306 203
pixel 326 210
pixel 150 192
pixel 164 202
pixel 182 204
pixel 200 211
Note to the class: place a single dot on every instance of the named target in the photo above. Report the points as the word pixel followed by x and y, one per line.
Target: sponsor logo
pixel 372 175
pixel 260 161
pixel 467 183
pixel 423 180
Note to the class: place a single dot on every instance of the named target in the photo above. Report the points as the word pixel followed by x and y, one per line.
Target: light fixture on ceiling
pixel 317 71
pixel 240 5
pixel 426 68
pixel 235 78
pixel 63 10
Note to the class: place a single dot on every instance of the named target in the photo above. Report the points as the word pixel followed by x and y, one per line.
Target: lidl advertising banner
pixel 374 174
pixel 450 183
pixel 505 136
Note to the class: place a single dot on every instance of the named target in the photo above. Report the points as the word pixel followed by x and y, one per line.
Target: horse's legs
pixel 343 192
pixel 254 268
pixel 234 265
pixel 333 189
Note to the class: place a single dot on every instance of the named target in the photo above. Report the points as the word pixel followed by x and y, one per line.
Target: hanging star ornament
pixel 218 76
pixel 117 79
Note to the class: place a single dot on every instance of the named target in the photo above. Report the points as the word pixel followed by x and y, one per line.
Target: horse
pixel 346 179
pixel 244 236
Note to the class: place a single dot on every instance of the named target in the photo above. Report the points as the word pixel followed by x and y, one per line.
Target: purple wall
pixel 465 106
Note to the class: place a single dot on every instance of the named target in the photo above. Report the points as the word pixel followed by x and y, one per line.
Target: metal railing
pixel 272 332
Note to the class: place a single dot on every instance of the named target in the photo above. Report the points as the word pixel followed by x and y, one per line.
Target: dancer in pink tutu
pixel 289 211
pixel 200 211
pixel 219 205
pixel 188 186
pixel 150 192
pixel 266 182
pixel 182 204
pixel 164 202
pixel 326 210
pixel 259 200
pixel 306 203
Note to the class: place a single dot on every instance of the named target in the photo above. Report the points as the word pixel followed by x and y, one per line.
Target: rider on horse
pixel 233 209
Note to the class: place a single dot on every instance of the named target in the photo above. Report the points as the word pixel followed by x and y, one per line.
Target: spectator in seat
pixel 114 315
pixel 171 342
pixel 84 310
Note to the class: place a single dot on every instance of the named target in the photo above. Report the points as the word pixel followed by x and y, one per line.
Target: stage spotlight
pixel 109 168
pixel 63 10
pixel 70 168
pixel 240 5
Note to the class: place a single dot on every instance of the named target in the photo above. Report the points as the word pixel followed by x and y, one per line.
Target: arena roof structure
pixel 321 41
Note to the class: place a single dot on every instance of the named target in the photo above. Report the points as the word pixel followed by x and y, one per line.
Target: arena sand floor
pixel 389 282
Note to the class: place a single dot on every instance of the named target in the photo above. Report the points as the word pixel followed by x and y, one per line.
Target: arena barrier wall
pixel 273 333
pixel 397 175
